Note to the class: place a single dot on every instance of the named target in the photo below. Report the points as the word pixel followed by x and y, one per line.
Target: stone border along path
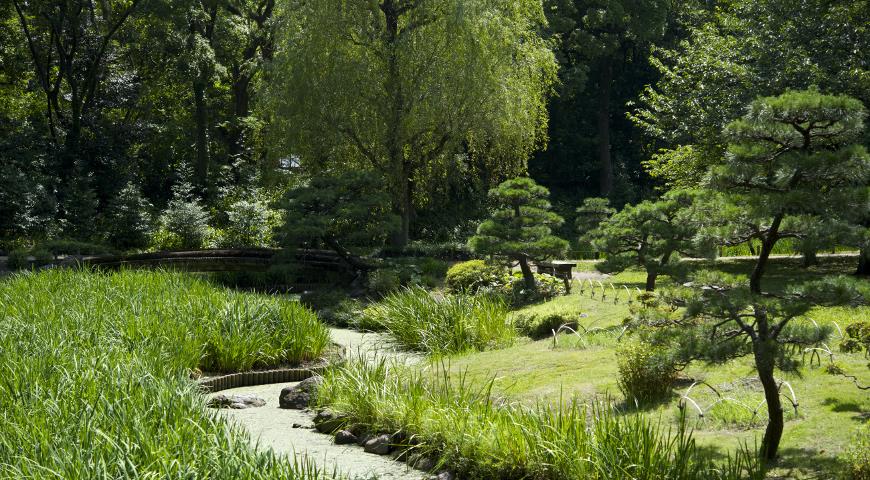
pixel 291 433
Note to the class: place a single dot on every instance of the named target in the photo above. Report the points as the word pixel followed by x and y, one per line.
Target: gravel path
pixel 272 427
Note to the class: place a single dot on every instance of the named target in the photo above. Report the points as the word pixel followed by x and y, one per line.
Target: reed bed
pixel 95 376
pixel 441 324
pixel 467 432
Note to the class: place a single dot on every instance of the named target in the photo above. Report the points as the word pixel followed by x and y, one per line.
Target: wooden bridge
pixel 225 260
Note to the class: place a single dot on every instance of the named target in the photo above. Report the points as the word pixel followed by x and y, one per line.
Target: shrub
pixel 857 338
pixel 645 374
pixel 858 455
pixel 184 223
pixel 471 276
pixel 460 427
pixel 513 287
pixel 74 247
pixel 419 321
pixel 542 326
pixel 250 224
pixel 42 257
pixel 434 268
pixel 384 281
pixel 18 259
pixel 127 222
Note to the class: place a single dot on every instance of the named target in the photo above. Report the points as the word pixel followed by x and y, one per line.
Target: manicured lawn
pixel 830 408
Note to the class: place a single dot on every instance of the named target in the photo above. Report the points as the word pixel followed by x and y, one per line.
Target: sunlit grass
pixel 457 422
pixel 94 377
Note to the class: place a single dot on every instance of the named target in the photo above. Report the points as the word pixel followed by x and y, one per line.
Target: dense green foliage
pixel 460 426
pixel 472 276
pixel 422 322
pixel 646 373
pixel 96 375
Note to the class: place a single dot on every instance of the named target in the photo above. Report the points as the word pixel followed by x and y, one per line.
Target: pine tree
pixel 651 235
pixel 520 227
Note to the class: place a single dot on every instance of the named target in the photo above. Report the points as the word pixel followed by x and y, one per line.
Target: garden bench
pixel 563 270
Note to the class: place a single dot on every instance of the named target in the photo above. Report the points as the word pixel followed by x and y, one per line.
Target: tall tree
pixel 402 84
pixel 598 37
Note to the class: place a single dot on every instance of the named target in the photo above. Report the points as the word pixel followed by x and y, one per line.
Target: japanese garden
pixel 435 239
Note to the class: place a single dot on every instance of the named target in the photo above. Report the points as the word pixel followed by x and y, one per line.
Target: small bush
pixel 384 281
pixel 542 326
pixel 42 257
pixel 250 224
pixel 19 259
pixel 858 455
pixel 421 322
pixel 434 268
pixel 127 221
pixel 546 287
pixel 472 275
pixel 184 223
pixel 645 375
pixel 857 338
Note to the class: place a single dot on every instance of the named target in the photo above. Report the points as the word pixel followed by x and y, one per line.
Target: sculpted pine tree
pixel 649 234
pixel 520 227
pixel 790 163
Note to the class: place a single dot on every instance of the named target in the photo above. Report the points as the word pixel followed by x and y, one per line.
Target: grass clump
pixel 464 430
pixel 94 379
pixel 422 322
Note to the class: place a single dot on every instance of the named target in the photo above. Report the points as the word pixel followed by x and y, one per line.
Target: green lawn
pixel 584 365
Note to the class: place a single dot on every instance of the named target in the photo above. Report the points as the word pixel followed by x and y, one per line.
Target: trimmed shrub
pixel 384 281
pixel 472 275
pixel 645 374
pixel 514 288
pixel 74 247
pixel 42 257
pixel 542 326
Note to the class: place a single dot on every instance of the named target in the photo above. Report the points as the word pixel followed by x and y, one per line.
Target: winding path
pixel 272 427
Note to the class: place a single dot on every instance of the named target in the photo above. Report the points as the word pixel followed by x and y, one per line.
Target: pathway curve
pixel 272 427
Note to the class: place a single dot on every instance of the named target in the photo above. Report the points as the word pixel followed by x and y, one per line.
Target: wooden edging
pixel 263 377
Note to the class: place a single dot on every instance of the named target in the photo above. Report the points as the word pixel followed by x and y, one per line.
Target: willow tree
pixel 402 85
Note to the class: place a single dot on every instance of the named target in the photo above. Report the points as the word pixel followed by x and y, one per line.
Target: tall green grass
pixel 467 432
pixel 94 376
pixel 423 322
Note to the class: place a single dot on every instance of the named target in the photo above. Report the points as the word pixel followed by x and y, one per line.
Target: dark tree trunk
pixel 764 255
pixel 765 354
pixel 402 196
pixel 810 258
pixel 863 262
pixel 651 280
pixel 604 158
pixel 201 119
pixel 528 276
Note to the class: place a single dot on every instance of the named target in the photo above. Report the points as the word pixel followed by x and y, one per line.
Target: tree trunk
pixel 528 276
pixel 651 280
pixel 404 210
pixel 764 255
pixel 392 84
pixel 765 354
pixel 810 258
pixel 604 158
pixel 201 119
pixel 863 262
